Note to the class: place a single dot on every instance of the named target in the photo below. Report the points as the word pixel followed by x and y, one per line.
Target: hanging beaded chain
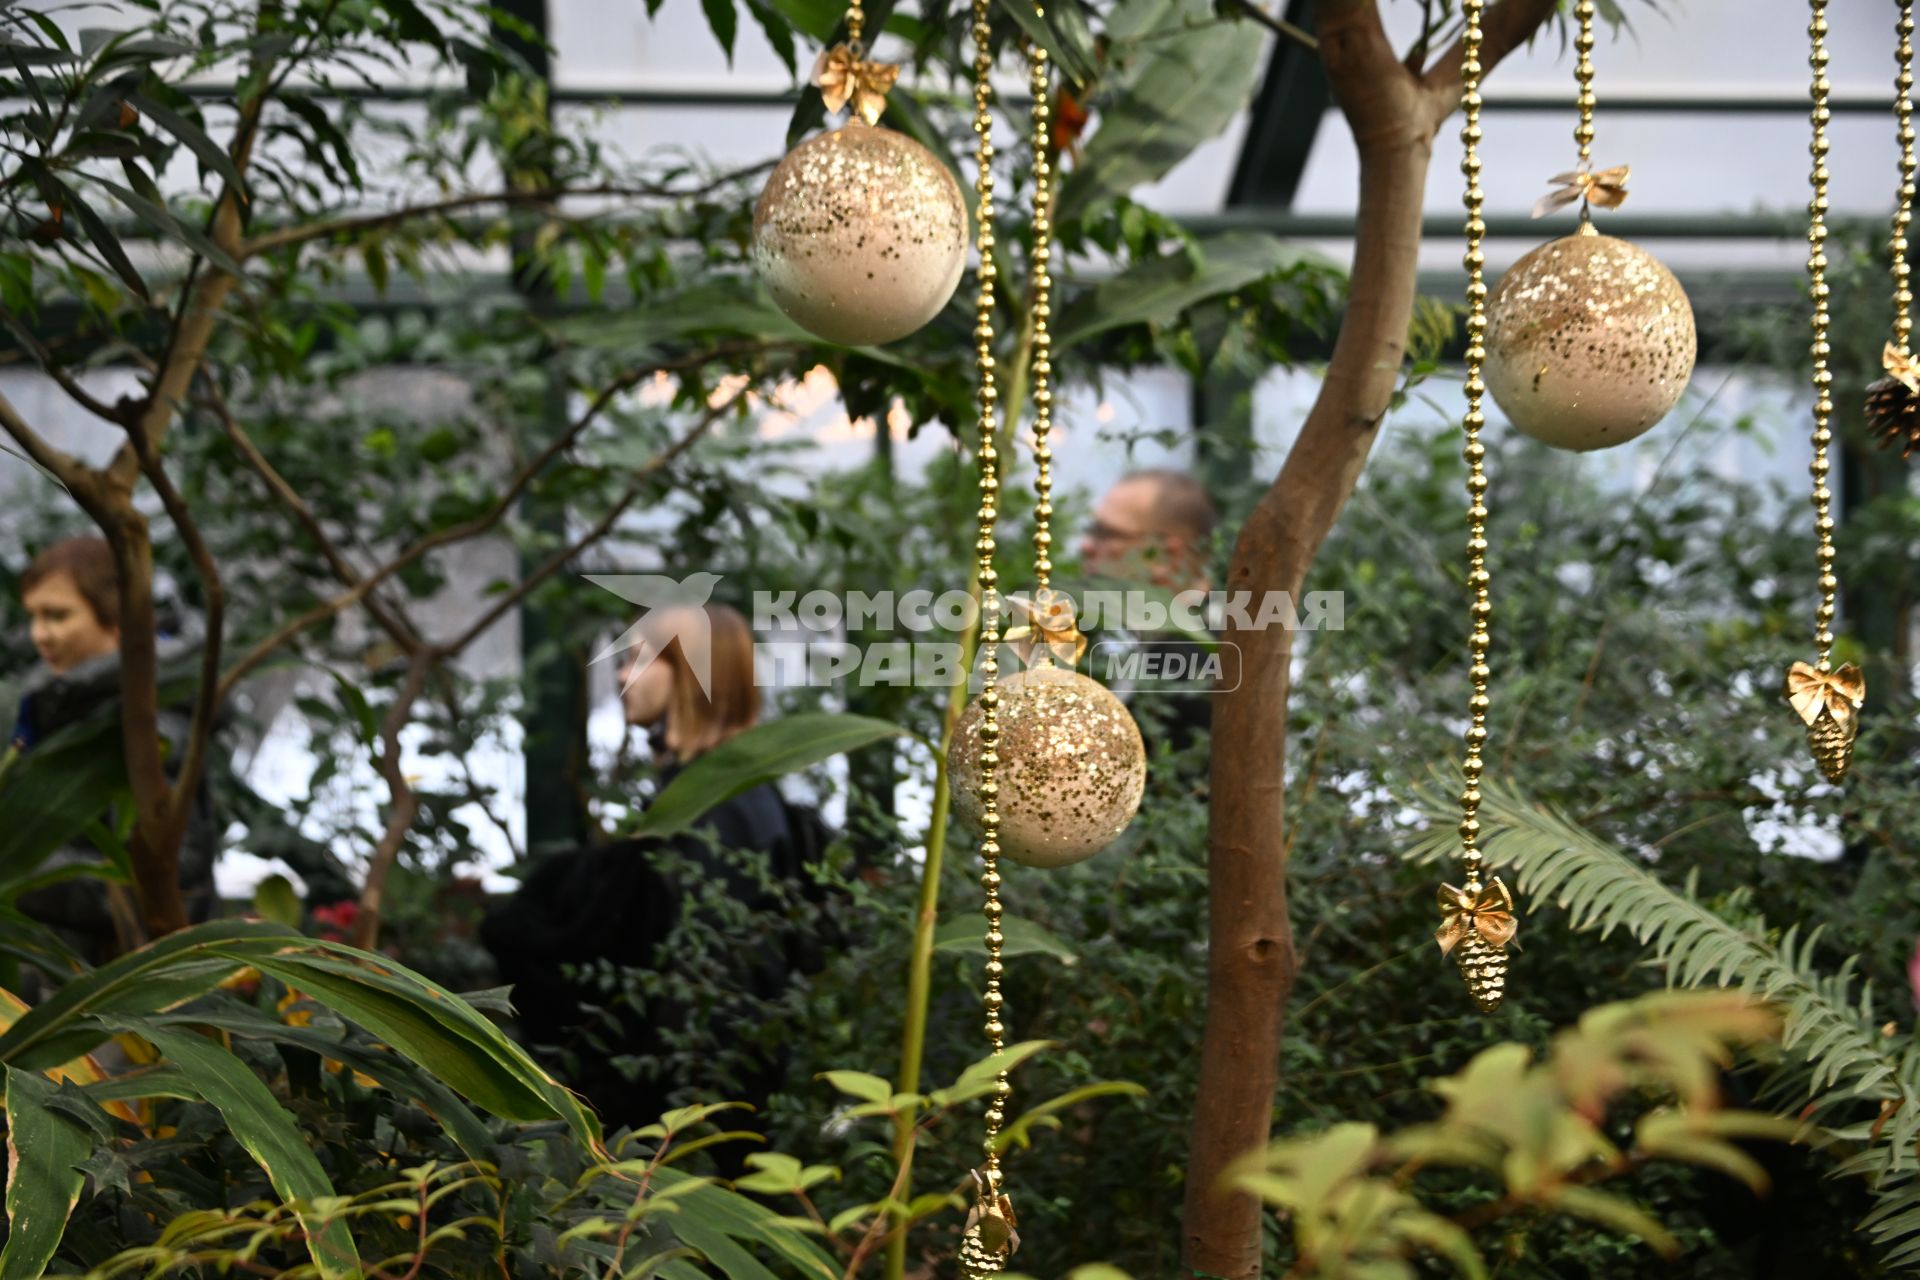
pixel 1827 701
pixel 987 1241
pixel 1477 921
pixel 1606 187
pixel 1042 88
pixel 1893 402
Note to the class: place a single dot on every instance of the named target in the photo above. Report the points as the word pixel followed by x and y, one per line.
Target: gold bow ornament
pixel 1050 625
pixel 843 75
pixel 991 1235
pixel 1488 916
pixel 1606 188
pixel 1901 367
pixel 1828 702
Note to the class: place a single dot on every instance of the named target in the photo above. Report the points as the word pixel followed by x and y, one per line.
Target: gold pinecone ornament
pixel 1476 924
pixel 1484 966
pixel 1828 703
pixel 1893 405
pixel 976 1260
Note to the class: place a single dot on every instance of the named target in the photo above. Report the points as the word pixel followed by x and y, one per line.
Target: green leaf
pixel 49 1034
pixel 1157 290
pixel 859 1084
pixel 391 1072
pixel 267 1131
pixel 814 19
pixel 108 244
pixel 1023 938
pixel 761 754
pixel 210 153
pixel 56 789
pixel 1066 42
pixel 428 1025
pixel 725 21
pixel 1185 88
pixel 44 1150
pixel 275 899
pixel 1616 1214
pixel 717 1214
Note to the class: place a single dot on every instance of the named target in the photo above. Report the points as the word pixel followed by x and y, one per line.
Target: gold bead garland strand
pixel 1583 74
pixel 1042 88
pixel 1474 924
pixel 1826 700
pixel 985 1246
pixel 1893 402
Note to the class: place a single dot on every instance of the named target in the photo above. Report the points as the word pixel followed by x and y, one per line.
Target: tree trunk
pixel 1394 112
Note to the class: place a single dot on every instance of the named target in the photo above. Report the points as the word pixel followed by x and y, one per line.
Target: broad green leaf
pixel 130 984
pixel 1021 1129
pixel 761 754
pixel 1023 938
pixel 267 1131
pixel 1615 1214
pixel 53 791
pixel 859 1084
pixel 390 1071
pixel 431 1026
pixel 814 19
pixel 718 1209
pixel 275 899
pixel 1184 89
pixel 1158 290
pixel 44 1150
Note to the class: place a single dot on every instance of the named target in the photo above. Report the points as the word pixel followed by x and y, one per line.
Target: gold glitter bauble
pixel 1071 768
pixel 1590 342
pixel 860 235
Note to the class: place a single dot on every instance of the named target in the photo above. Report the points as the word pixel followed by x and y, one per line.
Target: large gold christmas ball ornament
pixel 1589 342
pixel 860 235
pixel 1071 766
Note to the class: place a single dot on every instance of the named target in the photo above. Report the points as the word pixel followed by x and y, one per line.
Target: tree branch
pixel 366 923
pixel 472 528
pixel 1506 26
pixel 62 466
pixel 555 562
pixel 286 237
pixel 207 699
pixel 1278 25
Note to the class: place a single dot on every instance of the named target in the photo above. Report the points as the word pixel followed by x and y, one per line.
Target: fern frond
pixel 1828 1022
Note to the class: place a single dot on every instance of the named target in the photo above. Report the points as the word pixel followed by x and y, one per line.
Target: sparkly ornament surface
pixel 1071 766
pixel 1590 341
pixel 860 235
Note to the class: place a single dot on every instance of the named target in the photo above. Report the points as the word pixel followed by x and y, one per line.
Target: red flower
pixel 1913 974
pixel 337 919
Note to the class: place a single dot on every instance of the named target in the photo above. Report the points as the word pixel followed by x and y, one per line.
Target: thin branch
pixel 1507 25
pixel 558 560
pixel 44 359
pixel 206 699
pixel 355 224
pixel 1278 25
pixel 64 467
pixel 366 925
pixel 472 528
pixel 393 622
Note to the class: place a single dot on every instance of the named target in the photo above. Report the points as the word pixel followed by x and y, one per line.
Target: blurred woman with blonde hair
pixel 688 680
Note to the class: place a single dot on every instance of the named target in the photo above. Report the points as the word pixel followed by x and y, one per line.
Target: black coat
pixel 615 903
pixel 79 908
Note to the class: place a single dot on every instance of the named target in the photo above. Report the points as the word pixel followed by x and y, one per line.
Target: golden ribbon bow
pixel 998 1226
pixel 1811 690
pixel 843 76
pixel 1607 188
pixel 1901 367
pixel 1050 622
pixel 1490 915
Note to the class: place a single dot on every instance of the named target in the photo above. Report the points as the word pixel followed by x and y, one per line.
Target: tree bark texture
pixel 1394 112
